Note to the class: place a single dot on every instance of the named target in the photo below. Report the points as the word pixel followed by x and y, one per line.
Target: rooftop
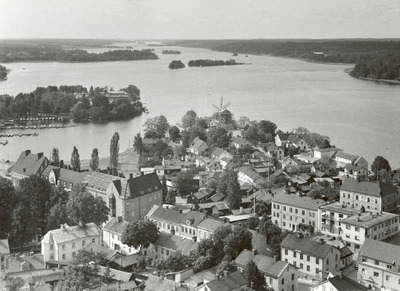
pixel 4 247
pixel 376 189
pixel 115 226
pixel 70 233
pixel 345 156
pixel 339 208
pixel 381 251
pixel 306 246
pixel 344 283
pixel 28 163
pixel 210 224
pixel 369 219
pixel 176 243
pixel 297 201
pixel 230 282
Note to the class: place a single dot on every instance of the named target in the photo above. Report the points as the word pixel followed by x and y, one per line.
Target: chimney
pixel 255 252
pixel 119 218
pixel 39 156
pixel 130 176
pixel 27 152
pixel 275 258
pixel 195 239
pixel 61 164
pixel 322 241
pixel 80 223
pixel 180 210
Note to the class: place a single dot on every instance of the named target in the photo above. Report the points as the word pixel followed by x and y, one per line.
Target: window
pixel 283 281
pixel 294 254
pixel 93 240
pixel 167 252
pixel 296 211
pixel 286 251
pixel 73 254
pixel 348 227
pixel 376 274
pixel 63 256
pixel 357 237
pixel 317 261
pixel 387 278
pixel 63 247
pixel 356 197
pixel 301 266
pixel 271 280
pixel 303 212
pixel 347 235
pixel 376 262
pixel 292 276
pixel 308 258
pixel 357 228
pixel 308 268
pixel 51 246
pixel 301 256
pixel 51 257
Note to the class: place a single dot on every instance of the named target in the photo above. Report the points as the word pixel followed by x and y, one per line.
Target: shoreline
pixel 389 82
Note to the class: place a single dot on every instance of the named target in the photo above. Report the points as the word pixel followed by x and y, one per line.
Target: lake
pixel 361 117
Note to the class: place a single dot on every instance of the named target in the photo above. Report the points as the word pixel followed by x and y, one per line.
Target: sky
pixel 194 19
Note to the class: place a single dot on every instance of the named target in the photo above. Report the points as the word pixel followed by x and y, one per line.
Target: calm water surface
pixel 361 117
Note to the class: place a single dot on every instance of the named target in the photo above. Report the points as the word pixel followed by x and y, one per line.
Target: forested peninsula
pixel 376 59
pixel 77 102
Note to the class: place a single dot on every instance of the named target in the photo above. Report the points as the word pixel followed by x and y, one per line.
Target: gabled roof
pixel 306 246
pixel 28 163
pixel 210 224
pixel 344 283
pixel 248 172
pixel 293 138
pixel 381 251
pixel 110 254
pixel 176 243
pixel 198 145
pixel 117 275
pixel 172 216
pixel 261 261
pixel 230 282
pixel 70 233
pixel 297 201
pixel 376 189
pixel 142 185
pixel 99 181
pixel 126 261
pixel 116 227
pixel 239 141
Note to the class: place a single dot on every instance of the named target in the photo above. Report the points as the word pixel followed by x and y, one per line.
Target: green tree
pixel 171 197
pixel 189 119
pixel 233 190
pixel 255 278
pixel 177 262
pixel 7 199
pixel 37 191
pixel 380 163
pixel 156 127
pixel 219 137
pixel 140 233
pixel 237 241
pixel 82 207
pixel 75 160
pixel 94 161
pixel 165 188
pixel 225 268
pixel 114 150
pixel 174 133
pixel 138 143
pixel 23 224
pixel 55 156
pixel 184 183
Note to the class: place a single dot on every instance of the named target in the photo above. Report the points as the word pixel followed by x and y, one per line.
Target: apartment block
pixel 289 210
pixel 379 265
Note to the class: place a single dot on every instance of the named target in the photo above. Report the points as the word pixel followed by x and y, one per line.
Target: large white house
pixel 63 244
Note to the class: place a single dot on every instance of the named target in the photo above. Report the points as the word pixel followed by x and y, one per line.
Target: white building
pixel 112 236
pixel 63 244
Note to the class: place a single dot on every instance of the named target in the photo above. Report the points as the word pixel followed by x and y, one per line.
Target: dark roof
pixel 198 145
pixel 172 216
pixel 306 246
pixel 110 254
pixel 142 185
pixel 230 282
pixel 345 156
pixel 114 226
pixel 262 261
pixel 377 189
pixel 176 243
pixel 126 261
pixel 28 163
pixel 239 141
pixel 344 283
pixel 210 224
pixel 381 251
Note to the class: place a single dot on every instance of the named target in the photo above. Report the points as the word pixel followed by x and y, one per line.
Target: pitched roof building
pixel 28 164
